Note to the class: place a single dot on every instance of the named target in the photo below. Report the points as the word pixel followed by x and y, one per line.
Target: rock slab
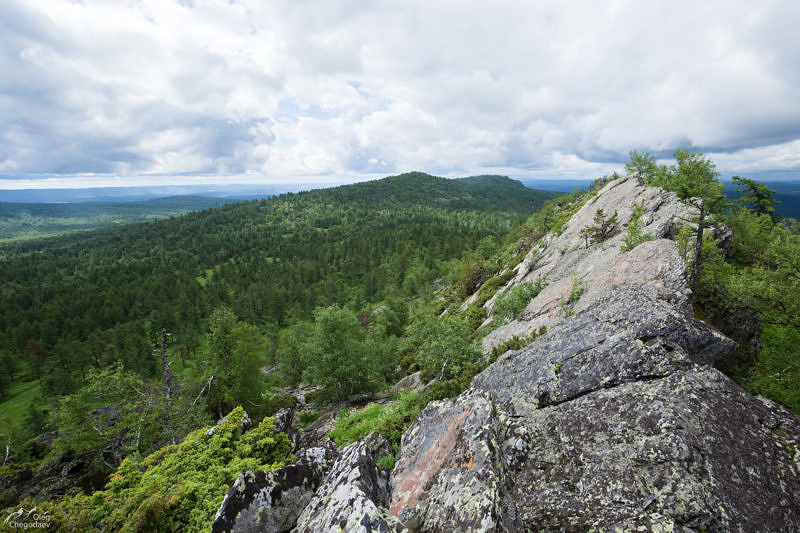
pixel 355 494
pixel 272 501
pixel 613 420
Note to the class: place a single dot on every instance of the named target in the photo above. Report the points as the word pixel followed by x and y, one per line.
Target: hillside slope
pixel 612 419
pixel 74 302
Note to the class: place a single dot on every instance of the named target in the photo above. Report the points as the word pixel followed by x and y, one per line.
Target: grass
pixel 510 304
pixel 390 420
pixel 20 396
pixel 307 417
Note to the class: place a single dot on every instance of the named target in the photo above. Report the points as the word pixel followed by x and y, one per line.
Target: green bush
pixel 510 304
pixel 443 346
pixel 473 272
pixel 634 237
pixel 276 402
pixel 494 284
pixel 307 417
pixel 316 397
pixel 777 371
pixel 177 488
pixel 387 461
pixel 475 315
pixel 602 229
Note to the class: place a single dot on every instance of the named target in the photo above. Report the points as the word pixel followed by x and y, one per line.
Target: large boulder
pixel 450 475
pixel 355 494
pixel 612 420
pixel 272 501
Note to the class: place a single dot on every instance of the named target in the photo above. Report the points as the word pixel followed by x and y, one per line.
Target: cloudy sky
pixel 127 92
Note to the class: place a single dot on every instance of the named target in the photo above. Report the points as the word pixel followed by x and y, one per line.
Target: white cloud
pixel 294 90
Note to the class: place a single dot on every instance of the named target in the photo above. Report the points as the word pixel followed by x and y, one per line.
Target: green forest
pixel 118 344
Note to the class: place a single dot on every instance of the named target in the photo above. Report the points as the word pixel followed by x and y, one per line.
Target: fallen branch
pixel 207 385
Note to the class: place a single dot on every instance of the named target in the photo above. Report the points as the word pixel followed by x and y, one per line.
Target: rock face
pixel 613 420
pixel 323 491
pixel 355 494
pixel 284 423
pixel 272 501
pixel 564 261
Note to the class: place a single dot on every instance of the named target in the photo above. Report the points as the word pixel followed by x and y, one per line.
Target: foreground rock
pixel 613 419
pixel 355 494
pixel 323 491
pixel 272 501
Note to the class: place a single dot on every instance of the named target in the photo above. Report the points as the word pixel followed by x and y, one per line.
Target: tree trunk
pixel 170 388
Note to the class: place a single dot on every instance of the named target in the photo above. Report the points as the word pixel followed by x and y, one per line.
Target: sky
pixel 155 92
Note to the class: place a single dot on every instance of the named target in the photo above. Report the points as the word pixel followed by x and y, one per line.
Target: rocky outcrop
pixel 284 423
pixel 272 501
pixel 614 419
pixel 355 494
pixel 325 490
pixel 446 481
pixel 565 261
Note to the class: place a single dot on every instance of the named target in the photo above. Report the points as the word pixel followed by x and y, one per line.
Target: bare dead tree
pixel 171 387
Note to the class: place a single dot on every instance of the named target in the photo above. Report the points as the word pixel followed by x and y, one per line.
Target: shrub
pixel 510 304
pixel 602 229
pixel 575 292
pixel 276 402
pixel 777 370
pixel 443 346
pixel 494 284
pixel 634 236
pixel 473 272
pixel 316 396
pixel 307 417
pixel 475 315
pixel 387 461
pixel 177 488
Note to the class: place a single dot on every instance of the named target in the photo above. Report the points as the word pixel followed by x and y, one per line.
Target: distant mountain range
pixel 25 220
pixel 42 212
pixel 786 192
pixel 233 192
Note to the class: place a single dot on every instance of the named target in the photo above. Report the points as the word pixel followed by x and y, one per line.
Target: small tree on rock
pixel 601 230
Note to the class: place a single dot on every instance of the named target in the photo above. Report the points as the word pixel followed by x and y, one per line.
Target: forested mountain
pixel 29 220
pixel 75 302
